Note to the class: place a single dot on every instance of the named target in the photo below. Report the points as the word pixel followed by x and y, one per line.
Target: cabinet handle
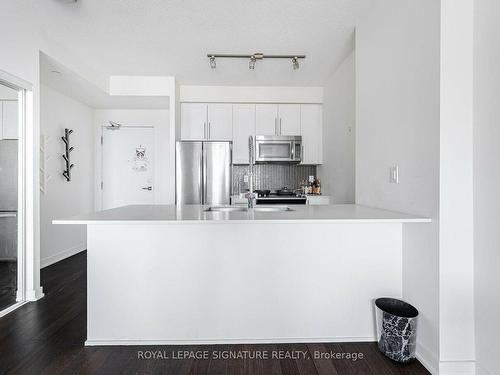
pixel 204 130
pixel 209 130
pixel 276 126
pixel 280 127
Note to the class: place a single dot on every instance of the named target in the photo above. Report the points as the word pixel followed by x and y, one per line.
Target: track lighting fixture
pixel 213 64
pixel 254 57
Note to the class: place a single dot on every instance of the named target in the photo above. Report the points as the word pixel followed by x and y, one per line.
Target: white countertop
pixel 170 214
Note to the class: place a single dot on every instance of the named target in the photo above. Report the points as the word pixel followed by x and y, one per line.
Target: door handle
pixel 8 214
pixel 147 188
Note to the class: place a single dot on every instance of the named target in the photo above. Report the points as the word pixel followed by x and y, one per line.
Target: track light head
pixel 295 63
pixel 213 64
pixel 251 63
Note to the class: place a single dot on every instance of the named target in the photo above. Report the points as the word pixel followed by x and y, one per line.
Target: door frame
pixel 100 165
pixel 27 226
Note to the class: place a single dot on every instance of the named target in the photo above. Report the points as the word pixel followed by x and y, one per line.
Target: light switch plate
pixel 394 174
pixel 245 178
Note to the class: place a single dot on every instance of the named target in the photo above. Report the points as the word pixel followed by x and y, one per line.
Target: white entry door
pixel 128 166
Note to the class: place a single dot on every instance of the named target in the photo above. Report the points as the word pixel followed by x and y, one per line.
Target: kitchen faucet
pixel 251 195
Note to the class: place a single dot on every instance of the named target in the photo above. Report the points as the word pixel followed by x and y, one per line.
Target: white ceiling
pixel 62 79
pixel 172 37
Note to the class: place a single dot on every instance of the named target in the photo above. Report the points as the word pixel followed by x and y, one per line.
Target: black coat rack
pixel 67 155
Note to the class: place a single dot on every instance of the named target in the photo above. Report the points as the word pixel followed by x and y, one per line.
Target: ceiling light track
pixel 253 58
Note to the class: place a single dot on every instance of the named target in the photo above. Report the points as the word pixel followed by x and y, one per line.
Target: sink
pixel 226 209
pixel 245 209
pixel 272 208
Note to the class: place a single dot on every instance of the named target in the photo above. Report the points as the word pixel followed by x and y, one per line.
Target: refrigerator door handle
pixel 7 214
pixel 204 175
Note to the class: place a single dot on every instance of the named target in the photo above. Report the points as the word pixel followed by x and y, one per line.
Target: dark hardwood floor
pixel 47 337
pixel 8 283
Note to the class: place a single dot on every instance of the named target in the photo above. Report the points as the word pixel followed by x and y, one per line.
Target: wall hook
pixel 67 155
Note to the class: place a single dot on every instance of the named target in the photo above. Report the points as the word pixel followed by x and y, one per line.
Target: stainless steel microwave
pixel 284 149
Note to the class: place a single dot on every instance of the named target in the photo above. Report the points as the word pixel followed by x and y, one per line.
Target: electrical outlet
pixel 394 174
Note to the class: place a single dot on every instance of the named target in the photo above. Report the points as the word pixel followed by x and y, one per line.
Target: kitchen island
pixel 182 275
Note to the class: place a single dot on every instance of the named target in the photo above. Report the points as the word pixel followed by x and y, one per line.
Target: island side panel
pixel 259 282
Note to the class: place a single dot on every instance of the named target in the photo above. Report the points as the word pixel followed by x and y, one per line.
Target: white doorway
pixel 128 166
pixel 15 262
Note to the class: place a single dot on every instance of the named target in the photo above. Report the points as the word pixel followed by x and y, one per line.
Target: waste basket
pixel 396 329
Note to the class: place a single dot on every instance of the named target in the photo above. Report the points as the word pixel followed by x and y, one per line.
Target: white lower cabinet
pixel 243 127
pixel 311 129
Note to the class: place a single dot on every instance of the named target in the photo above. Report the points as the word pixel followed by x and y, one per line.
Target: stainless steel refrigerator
pixel 203 172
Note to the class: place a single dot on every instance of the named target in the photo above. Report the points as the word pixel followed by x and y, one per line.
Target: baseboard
pixel 428 359
pixel 12 308
pixel 62 255
pixel 34 295
pixel 457 368
pixel 293 340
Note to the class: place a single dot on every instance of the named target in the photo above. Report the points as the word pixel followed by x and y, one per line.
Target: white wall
pixel 397 123
pixel 456 252
pixel 62 198
pixel 22 38
pixel 339 123
pixel 487 184
pixel 160 119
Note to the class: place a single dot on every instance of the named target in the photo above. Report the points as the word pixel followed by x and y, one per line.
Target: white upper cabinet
pixel 9 117
pixel 194 124
pixel 236 122
pixel 277 119
pixel 243 127
pixel 220 122
pixel 289 119
pixel 266 119
pixel 311 125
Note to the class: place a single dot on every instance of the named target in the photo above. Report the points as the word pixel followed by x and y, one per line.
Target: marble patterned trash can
pixel 396 329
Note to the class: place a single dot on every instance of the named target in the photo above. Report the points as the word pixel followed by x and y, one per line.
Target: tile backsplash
pixel 272 176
